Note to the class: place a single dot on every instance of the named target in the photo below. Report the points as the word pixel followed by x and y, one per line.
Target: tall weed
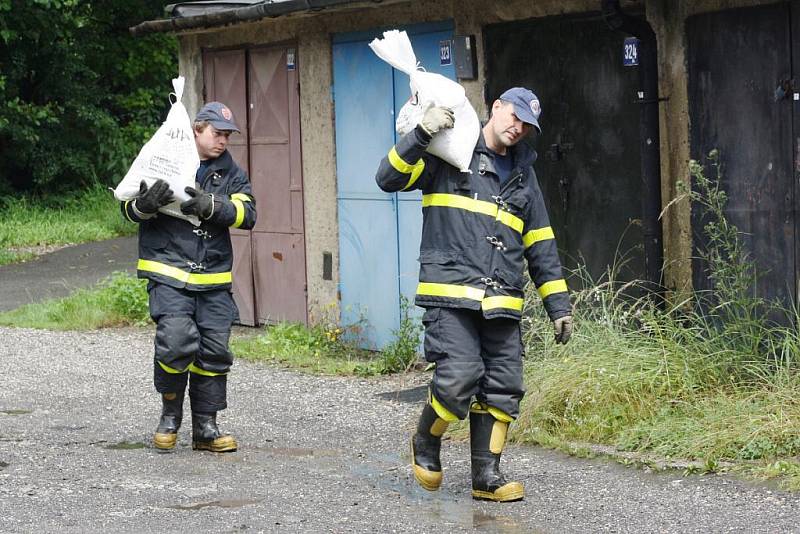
pixel 711 381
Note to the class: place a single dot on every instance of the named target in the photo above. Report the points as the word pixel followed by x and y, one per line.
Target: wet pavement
pixel 59 273
pixel 317 454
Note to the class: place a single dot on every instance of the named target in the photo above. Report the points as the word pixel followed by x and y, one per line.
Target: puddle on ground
pixel 413 395
pixel 297 452
pixel 387 471
pixel 16 411
pixel 232 503
pixel 126 446
pixel 3 465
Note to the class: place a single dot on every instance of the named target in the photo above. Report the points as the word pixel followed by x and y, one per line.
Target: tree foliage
pixel 78 94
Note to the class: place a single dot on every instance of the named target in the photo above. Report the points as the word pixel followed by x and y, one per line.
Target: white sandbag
pixel 170 155
pixel 455 145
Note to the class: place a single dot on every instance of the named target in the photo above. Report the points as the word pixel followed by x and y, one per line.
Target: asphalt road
pixel 317 455
pixel 59 273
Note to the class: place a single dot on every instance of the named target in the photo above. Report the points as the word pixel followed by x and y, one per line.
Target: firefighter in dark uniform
pixel 189 272
pixel 477 229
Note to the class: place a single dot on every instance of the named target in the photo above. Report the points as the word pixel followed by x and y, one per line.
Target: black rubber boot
pixel 487 440
pixel 166 435
pixel 426 444
pixel 206 435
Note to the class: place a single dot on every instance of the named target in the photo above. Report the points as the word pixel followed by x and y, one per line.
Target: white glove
pixel 436 119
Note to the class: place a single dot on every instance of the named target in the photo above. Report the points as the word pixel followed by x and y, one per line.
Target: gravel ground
pixel 317 455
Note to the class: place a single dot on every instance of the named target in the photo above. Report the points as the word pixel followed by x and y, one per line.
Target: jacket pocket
pixel 440 257
pixel 433 344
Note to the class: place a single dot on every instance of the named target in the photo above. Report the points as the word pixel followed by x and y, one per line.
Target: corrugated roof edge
pixel 237 15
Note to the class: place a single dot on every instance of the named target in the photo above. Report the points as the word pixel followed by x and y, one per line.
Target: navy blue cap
pixel 218 115
pixel 526 105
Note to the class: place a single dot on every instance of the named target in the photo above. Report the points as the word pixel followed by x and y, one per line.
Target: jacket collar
pixel 222 162
pixel 524 155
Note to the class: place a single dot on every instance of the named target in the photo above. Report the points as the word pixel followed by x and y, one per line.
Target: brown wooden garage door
pixel 260 86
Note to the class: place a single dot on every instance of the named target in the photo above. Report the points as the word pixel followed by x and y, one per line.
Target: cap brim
pixel 526 115
pixel 223 125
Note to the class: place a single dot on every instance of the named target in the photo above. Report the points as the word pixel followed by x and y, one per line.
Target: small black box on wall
pixel 465 57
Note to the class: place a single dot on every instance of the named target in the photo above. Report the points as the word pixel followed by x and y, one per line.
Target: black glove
pixel 201 203
pixel 563 329
pixel 154 197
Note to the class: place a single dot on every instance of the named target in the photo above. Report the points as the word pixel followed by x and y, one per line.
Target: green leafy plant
pixel 403 352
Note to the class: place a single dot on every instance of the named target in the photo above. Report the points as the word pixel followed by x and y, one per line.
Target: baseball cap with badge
pixel 526 105
pixel 218 115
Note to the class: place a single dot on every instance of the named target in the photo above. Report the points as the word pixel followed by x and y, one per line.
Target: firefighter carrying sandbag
pixel 189 272
pixel 478 226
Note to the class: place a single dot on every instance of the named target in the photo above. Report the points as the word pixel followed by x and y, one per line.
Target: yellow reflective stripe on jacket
pixel 197 279
pixel 510 220
pixel 554 286
pixel 198 371
pixel 449 290
pixel 476 206
pixel 499 301
pixel 466 292
pixel 239 212
pixel 402 166
pixel 539 234
pixel 241 196
pixel 171 370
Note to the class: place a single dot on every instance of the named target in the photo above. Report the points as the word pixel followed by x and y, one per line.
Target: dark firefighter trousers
pixel 474 356
pixel 192 332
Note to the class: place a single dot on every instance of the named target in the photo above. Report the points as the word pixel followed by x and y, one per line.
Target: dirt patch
pixel 37 250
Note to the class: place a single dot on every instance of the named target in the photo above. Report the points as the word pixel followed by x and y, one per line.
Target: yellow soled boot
pixel 206 435
pixel 166 435
pixel 487 440
pixel 426 444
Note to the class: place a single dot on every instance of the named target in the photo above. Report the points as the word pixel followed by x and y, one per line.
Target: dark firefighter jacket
pixel 476 233
pixel 173 251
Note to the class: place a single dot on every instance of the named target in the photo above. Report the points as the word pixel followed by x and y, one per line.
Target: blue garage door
pixel 379 232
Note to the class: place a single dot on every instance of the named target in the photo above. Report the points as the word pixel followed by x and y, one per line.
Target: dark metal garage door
pixel 737 58
pixel 589 166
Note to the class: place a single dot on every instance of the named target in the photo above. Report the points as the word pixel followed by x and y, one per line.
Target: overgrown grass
pixel 90 215
pixel 710 379
pixel 120 300
pixel 321 349
pixel 329 348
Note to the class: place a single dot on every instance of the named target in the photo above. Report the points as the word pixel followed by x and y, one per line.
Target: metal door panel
pixel 368 241
pixel 409 231
pixel 736 58
pixel 271 177
pixel 364 117
pixel 243 276
pixel 280 278
pixel 589 160
pixel 278 281
pixel 224 80
pixel 379 233
pixel 269 96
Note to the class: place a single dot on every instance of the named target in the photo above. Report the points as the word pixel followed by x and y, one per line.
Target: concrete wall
pixel 312 34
